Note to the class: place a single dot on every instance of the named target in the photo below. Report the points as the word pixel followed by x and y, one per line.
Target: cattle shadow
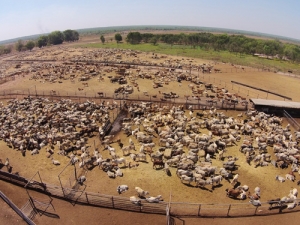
pixel 188 185
pixel 168 172
pixel 204 188
pixel 236 185
pixel 158 168
pixel 217 186
pixel 48 214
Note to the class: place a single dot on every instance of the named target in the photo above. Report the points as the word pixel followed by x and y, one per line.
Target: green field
pixel 187 51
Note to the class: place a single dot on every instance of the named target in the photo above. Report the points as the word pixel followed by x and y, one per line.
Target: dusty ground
pixel 155 181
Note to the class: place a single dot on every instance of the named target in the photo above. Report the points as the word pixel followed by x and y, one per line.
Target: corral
pixel 277 107
pixel 156 181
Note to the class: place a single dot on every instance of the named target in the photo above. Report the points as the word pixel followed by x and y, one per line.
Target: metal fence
pixel 195 104
pixel 16 209
pixel 180 209
pixel 291 120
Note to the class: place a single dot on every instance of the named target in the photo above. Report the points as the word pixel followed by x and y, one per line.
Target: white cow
pixel 280 178
pixel 122 188
pixel 141 192
pixel 135 200
pixel 216 179
pixel 154 199
pixel 290 177
pixel 235 179
pixel 187 178
pixel 119 161
pixel 180 172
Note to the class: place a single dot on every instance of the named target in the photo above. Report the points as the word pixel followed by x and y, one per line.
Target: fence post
pixel 112 201
pixel 199 210
pixel 87 200
pixel 228 210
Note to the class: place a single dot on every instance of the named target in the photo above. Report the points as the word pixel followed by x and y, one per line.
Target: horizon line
pixel 274 36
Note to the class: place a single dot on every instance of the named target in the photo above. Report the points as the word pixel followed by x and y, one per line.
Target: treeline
pixel 54 38
pixel 238 44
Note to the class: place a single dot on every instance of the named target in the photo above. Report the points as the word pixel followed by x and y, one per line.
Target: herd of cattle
pixel 178 135
pixel 30 124
pixel 168 136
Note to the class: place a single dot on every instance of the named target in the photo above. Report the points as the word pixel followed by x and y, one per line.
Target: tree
pixel 42 41
pixel 19 45
pixel 147 37
pixel 71 35
pixel 55 38
pixel 118 38
pixel 154 40
pixel 102 39
pixel 30 45
pixel 134 37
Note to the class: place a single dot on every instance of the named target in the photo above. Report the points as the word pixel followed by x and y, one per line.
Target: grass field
pixel 187 51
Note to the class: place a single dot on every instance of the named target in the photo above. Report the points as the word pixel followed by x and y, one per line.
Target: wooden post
pixel 87 200
pixel 228 210
pixel 199 210
pixel 112 201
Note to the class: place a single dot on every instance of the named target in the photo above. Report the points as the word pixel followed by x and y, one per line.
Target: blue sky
pixel 22 18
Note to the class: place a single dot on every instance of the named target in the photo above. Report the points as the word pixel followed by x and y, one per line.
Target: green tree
pixel 118 38
pixel 30 45
pixel 154 40
pixel 146 37
pixel 55 38
pixel 19 45
pixel 134 37
pixel 70 35
pixel 102 38
pixel 42 41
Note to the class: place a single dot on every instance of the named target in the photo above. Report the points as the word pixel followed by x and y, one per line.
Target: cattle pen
pixel 174 209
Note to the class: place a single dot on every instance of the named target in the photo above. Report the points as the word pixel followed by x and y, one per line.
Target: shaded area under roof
pixel 275 103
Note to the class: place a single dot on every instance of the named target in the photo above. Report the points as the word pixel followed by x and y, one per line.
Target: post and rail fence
pixel 177 209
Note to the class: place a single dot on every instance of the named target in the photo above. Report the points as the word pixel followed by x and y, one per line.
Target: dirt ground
pixel 154 181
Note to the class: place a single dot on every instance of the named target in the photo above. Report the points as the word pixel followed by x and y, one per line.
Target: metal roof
pixel 275 103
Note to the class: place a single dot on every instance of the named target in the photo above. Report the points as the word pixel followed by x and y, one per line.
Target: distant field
pixel 187 51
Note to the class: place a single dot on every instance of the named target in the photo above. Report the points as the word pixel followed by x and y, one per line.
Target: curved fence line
pixel 195 104
pixel 180 209
pixel 126 63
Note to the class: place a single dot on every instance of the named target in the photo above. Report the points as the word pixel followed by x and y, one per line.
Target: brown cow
pixel 159 163
pixel 233 193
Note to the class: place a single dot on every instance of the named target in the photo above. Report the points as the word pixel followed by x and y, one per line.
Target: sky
pixel 20 18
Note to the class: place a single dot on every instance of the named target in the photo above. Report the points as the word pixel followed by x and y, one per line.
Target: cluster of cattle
pixel 182 145
pixel 30 124
pixel 141 195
